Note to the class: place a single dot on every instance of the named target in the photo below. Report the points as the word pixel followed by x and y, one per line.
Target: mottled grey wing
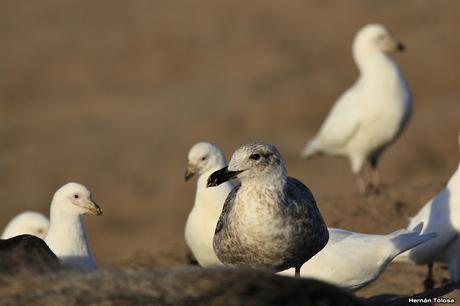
pixel 227 208
pixel 299 193
pixel 309 222
pixel 303 205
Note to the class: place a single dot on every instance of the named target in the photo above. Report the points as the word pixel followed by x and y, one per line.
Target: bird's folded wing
pixel 342 122
pixel 226 209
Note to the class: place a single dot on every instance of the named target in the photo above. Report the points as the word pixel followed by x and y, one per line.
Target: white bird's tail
pixel 405 239
pixel 311 149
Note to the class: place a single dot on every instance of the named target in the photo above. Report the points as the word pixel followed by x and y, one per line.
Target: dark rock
pixel 185 286
pixel 26 253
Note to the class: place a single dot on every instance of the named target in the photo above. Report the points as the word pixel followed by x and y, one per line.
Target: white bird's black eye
pixel 203 158
pixel 255 156
pixel 76 196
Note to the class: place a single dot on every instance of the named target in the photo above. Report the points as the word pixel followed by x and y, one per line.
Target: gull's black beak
pixel 400 47
pixel 221 176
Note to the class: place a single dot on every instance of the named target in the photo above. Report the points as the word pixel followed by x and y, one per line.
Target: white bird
pixel 27 222
pixel 67 232
pixel 203 159
pixel 371 114
pixel 353 260
pixel 440 215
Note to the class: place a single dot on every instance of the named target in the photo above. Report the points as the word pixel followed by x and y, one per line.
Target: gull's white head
pixel 375 38
pixel 28 222
pixel 254 160
pixel 74 199
pixel 204 157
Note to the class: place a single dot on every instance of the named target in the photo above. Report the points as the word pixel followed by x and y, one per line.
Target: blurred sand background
pixel 112 94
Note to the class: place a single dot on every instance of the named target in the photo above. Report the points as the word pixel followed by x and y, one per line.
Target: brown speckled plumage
pixel 270 221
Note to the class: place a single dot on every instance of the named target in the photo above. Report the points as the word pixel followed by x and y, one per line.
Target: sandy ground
pixel 113 94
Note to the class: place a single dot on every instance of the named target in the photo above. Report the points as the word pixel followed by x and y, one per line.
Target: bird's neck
pixel 454 183
pixel 270 184
pixel 375 65
pixel 209 200
pixel 67 235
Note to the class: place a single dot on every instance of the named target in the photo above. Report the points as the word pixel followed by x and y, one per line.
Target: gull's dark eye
pixel 255 156
pixel 76 196
pixel 203 158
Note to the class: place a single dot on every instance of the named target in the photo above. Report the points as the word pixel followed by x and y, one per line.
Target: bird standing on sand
pixel 370 115
pixel 203 159
pixel 270 221
pixel 67 233
pixel 440 215
pixel 27 222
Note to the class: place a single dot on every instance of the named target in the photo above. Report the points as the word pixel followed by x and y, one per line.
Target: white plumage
pixel 27 222
pixel 353 260
pixel 373 112
pixel 440 215
pixel 203 159
pixel 67 232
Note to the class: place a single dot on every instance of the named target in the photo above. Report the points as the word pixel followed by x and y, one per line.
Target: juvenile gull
pixel 27 222
pixel 353 260
pixel 441 216
pixel 203 159
pixel 67 233
pixel 370 115
pixel 270 221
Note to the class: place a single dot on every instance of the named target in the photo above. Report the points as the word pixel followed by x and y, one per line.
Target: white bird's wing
pixel 437 218
pixel 350 260
pixel 342 122
pixel 337 235
pixel 404 239
pixel 396 242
